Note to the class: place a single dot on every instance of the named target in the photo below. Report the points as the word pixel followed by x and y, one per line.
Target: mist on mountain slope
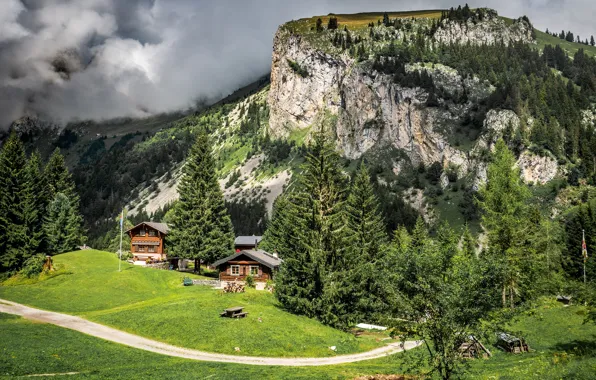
pixel 65 60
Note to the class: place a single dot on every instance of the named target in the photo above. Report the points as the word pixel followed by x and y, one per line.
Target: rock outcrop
pixel 491 30
pixel 537 169
pixel 368 108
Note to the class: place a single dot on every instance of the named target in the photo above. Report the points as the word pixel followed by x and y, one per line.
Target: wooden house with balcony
pixel 147 241
pixel 261 265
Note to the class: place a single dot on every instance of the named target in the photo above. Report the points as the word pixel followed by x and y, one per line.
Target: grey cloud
pixel 96 59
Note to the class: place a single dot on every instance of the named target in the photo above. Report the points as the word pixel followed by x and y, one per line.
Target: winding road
pixel 117 336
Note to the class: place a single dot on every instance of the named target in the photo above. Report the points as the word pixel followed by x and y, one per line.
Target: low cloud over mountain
pixel 97 59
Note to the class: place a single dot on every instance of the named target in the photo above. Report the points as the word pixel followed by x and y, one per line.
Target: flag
pixel 584 248
pixel 121 219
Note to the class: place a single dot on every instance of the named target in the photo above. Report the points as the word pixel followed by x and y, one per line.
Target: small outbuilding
pixel 261 265
pixel 472 348
pixel 510 343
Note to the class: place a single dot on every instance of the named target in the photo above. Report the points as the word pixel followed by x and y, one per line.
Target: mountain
pixel 421 96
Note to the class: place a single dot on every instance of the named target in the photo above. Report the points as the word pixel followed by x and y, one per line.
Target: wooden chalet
pixel 247 242
pixel 147 241
pixel 259 264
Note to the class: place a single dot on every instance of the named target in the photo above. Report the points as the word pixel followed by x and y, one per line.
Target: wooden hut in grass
pixel 473 349
pixel 510 343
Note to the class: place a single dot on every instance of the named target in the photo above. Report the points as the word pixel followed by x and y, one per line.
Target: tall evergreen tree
pixel 13 226
pixel 592 42
pixel 201 228
pixel 58 179
pixel 366 238
pixel 35 204
pixel 62 225
pixel 315 225
pixel 503 202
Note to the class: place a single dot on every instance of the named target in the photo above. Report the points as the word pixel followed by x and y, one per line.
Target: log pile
pixel 234 287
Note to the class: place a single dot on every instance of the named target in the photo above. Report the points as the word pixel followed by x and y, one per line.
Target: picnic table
pixel 233 312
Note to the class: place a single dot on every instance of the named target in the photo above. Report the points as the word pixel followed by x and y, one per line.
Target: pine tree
pixel 468 243
pixel 592 42
pixel 62 225
pixel 35 203
pixel 58 178
pixel 13 226
pixel 314 224
pixel 201 227
pixel 366 238
pixel 503 201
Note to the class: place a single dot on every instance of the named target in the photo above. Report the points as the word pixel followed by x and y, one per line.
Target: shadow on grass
pixel 583 347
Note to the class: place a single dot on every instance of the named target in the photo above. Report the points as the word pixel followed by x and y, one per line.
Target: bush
pixel 297 68
pixel 250 281
pixel 34 265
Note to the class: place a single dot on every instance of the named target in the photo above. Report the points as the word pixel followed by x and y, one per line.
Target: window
pixel 235 270
pixel 141 248
pixel 151 249
pixel 254 270
pixel 142 232
pixel 151 232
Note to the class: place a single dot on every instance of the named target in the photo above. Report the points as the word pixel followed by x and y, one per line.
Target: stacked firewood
pixel 234 287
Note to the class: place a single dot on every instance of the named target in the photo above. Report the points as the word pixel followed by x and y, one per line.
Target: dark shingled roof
pixel 262 257
pixel 161 227
pixel 247 240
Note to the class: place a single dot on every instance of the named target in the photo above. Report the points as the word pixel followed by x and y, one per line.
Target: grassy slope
pixel 571 48
pixel 32 348
pixel 562 348
pixel 154 304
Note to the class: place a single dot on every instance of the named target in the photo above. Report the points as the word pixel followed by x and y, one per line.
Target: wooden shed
pixel 510 343
pixel 473 349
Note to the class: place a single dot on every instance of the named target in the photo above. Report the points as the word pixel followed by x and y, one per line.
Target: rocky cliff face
pixel 368 109
pixel 492 29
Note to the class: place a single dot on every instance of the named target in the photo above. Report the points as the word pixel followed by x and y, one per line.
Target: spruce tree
pixel 35 204
pixel 314 223
pixel 201 228
pixel 58 178
pixel 592 42
pixel 13 226
pixel 365 237
pixel 62 225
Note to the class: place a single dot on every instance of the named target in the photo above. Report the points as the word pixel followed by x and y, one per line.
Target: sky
pixel 67 60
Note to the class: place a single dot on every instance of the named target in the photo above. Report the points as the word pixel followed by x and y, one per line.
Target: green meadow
pixel 154 303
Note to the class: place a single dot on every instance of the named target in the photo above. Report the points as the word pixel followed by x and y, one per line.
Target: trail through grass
pixel 153 303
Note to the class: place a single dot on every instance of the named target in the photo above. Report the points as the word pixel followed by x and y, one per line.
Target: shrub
pixel 34 265
pixel 297 68
pixel 250 281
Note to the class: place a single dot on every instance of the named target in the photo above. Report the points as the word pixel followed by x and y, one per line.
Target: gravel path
pixel 114 335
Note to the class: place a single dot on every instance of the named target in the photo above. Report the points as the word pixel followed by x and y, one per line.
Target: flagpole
pixel 121 228
pixel 584 253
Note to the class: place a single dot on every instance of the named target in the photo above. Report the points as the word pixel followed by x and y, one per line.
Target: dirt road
pixel 114 335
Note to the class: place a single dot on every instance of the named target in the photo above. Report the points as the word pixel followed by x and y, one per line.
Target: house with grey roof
pixel 247 242
pixel 262 266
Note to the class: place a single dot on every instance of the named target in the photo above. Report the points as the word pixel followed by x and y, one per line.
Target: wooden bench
pixel 234 312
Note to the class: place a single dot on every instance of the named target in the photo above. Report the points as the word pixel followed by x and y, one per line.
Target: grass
pixel 543 39
pixel 153 303
pixel 28 348
pixel 562 347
